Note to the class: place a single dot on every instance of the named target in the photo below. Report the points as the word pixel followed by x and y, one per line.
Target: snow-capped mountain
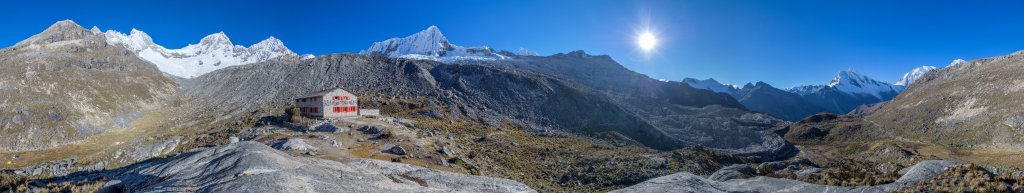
pixel 525 52
pixel 430 44
pixel 712 85
pixel 853 83
pixel 215 51
pixel 912 76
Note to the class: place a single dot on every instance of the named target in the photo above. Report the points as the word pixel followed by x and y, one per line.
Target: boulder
pixel 732 172
pixel 687 182
pixel 370 129
pixel 293 144
pixel 253 167
pixel 397 150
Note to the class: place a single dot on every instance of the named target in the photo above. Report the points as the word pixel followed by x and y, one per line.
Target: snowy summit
pixel 853 83
pixel 430 44
pixel 215 51
pixel 913 75
pixel 712 85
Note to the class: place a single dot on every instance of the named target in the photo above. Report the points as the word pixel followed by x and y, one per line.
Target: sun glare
pixel 646 41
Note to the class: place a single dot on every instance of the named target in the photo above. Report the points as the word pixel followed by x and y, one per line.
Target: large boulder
pixel 253 167
pixel 293 144
pixel 687 182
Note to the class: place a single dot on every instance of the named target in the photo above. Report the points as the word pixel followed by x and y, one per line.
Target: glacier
pixel 213 52
pixel 431 44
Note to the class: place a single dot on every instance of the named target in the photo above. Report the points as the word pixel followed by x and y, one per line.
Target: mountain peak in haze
pixel 712 85
pixel 913 75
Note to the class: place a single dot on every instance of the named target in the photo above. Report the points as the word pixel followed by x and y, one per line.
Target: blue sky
pixel 783 42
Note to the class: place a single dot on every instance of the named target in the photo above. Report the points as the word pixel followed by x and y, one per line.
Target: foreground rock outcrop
pixel 255 167
pixel 687 182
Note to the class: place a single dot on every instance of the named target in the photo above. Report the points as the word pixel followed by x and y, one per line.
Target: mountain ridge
pixel 214 51
pixel 431 44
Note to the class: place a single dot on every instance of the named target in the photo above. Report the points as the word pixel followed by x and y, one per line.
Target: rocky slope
pixel 659 115
pixel 215 51
pixel 565 106
pixel 976 103
pixel 67 83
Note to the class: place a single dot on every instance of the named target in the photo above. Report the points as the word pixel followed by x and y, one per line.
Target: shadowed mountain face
pixel 786 105
pixel 567 92
pixel 67 83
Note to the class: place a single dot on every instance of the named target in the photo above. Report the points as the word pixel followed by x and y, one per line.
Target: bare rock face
pixel 293 144
pixel 971 104
pixel 66 83
pixel 687 182
pixel 254 167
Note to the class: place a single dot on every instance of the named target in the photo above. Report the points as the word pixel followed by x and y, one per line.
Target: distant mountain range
pixel 845 93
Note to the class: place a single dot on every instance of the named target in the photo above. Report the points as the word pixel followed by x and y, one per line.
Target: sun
pixel 646 41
